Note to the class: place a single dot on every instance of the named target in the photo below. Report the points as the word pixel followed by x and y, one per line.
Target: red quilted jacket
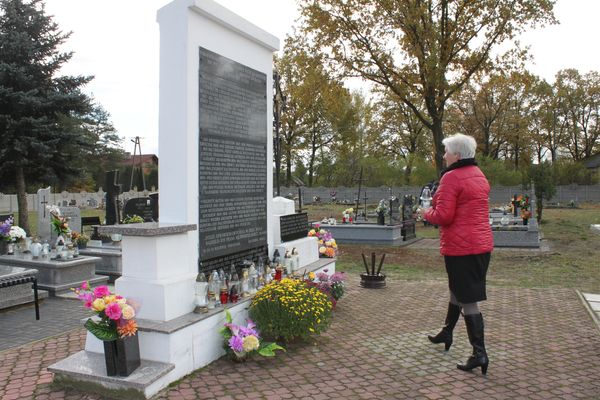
pixel 460 208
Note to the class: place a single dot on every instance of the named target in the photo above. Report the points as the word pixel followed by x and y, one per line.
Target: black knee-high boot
pixel 474 323
pixel 445 335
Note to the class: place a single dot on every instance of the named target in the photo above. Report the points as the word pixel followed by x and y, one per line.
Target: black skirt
pixel 466 276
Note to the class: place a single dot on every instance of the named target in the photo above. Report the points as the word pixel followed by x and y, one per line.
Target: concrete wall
pixel 498 194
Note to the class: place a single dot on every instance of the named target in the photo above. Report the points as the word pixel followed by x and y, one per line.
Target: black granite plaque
pixel 293 226
pixel 141 206
pixel 232 168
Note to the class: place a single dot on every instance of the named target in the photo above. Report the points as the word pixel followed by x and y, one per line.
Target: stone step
pixel 86 371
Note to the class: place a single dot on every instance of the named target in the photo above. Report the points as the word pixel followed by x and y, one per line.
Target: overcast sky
pixel 117 41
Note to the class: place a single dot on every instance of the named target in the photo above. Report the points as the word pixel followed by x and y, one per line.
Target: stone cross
pixel 113 190
pixel 43 221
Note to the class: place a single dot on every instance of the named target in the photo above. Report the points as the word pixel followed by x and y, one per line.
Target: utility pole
pixel 136 146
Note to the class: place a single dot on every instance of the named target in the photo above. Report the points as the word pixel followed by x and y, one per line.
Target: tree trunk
pixel 288 168
pixel 22 200
pixel 438 146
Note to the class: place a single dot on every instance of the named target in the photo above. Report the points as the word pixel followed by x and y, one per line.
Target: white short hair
pixel 462 145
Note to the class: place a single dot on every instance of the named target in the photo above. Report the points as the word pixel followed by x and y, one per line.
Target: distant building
pixel 592 163
pixel 148 161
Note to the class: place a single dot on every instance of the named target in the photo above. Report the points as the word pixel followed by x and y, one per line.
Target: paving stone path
pixel 542 344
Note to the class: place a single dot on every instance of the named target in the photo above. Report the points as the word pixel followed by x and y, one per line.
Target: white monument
pixel 215 138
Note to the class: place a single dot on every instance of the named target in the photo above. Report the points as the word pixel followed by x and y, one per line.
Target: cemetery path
pixel 57 315
pixel 542 344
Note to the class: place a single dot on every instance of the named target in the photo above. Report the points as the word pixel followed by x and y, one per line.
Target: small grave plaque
pixel 141 206
pixel 74 215
pixel 293 226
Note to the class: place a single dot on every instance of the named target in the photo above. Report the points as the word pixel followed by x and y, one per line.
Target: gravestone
pixel 293 226
pixel 408 220
pixel 44 230
pixel 74 215
pixel 113 190
pixel 154 204
pixel 232 161
pixel 395 215
pixel 141 206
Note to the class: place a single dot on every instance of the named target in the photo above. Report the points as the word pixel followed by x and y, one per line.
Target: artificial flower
pixel 128 328
pixel 250 343
pixel 236 343
pixel 101 291
pixel 98 305
pixel 113 311
pixel 128 312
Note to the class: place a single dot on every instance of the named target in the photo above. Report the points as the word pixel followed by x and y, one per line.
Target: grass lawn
pixel 572 262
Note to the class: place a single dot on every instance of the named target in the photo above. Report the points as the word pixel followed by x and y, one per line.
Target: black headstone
pixel 395 216
pixel 154 204
pixel 232 170
pixel 293 226
pixel 141 206
pixel 408 230
pixel 113 190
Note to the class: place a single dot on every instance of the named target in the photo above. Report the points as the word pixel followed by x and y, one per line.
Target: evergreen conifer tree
pixel 37 104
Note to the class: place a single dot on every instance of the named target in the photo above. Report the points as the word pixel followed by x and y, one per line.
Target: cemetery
pixel 217 286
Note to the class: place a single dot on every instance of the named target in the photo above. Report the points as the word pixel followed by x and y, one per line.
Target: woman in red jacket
pixel 460 207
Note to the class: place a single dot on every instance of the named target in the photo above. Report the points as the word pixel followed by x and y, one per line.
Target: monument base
pixel 362 233
pixel 169 350
pixel 86 371
pixel 308 249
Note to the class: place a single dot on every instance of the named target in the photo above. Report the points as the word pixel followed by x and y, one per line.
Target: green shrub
pixel 289 309
pixel 132 219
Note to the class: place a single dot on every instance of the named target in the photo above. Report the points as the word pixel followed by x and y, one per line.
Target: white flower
pixel 53 209
pixel 17 232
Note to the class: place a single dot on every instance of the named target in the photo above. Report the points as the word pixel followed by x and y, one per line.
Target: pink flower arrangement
pixel 115 314
pixel 327 245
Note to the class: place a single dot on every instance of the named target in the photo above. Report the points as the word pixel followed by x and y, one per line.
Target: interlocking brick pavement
pixel 542 344
pixel 19 326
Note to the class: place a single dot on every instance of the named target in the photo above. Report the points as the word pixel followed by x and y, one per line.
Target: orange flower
pixel 129 328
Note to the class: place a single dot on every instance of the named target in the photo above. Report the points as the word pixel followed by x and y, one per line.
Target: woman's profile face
pixel 450 158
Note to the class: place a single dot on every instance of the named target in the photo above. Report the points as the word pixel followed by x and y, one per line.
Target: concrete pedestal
pixel 59 277
pixel 109 261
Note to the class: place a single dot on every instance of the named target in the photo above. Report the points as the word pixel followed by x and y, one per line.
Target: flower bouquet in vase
pixel 115 326
pixel 60 225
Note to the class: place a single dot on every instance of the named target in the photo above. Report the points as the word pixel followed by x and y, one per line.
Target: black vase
pixel 3 247
pixel 380 219
pixel 122 356
pixel 525 221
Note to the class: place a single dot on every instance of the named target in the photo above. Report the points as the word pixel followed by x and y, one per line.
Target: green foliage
pixel 567 172
pixel 132 219
pixel 290 309
pixel 103 330
pixel 423 171
pixel 543 179
pixel 499 172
